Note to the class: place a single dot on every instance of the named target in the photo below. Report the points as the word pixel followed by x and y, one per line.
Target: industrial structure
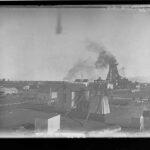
pixel 117 81
pixel 113 76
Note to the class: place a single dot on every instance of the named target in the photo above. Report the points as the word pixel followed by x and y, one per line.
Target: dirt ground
pixel 126 114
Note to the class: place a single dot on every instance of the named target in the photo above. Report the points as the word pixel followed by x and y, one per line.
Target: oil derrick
pixel 113 76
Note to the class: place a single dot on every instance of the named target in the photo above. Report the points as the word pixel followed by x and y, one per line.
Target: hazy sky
pixel 30 49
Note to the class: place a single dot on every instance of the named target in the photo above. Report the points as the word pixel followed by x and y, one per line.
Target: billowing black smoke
pixel 103 60
pixel 104 57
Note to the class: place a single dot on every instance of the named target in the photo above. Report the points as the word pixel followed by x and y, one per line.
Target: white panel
pixel 141 123
pixel 105 105
pixel 54 95
pixel 110 86
pixel 72 95
pixel 54 124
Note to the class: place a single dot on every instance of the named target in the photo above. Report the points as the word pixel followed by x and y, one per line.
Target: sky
pixel 30 48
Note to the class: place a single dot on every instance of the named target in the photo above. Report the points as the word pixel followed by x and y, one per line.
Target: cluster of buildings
pixel 6 91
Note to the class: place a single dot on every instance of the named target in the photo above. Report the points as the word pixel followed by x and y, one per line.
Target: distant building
pixel 78 80
pixel 9 90
pixel 138 86
pixel 83 81
pixel 27 87
pixel 109 86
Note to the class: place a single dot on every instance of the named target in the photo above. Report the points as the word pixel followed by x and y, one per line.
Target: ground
pixel 19 110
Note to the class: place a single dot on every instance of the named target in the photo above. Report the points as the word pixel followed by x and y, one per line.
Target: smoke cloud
pixel 84 66
pixel 104 57
pixel 122 71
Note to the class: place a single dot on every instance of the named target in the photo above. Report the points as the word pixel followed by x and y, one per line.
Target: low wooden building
pixel 67 96
pixel 60 94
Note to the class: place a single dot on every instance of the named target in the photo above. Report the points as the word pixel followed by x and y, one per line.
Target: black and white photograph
pixel 75 71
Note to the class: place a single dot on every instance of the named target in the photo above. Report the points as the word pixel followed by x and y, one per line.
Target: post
pixel 64 94
pixel 50 96
pixel 141 123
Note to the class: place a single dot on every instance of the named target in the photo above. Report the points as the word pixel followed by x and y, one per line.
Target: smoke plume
pixel 82 66
pixel 122 71
pixel 104 58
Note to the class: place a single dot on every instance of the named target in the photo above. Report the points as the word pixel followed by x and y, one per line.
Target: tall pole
pixel 64 93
